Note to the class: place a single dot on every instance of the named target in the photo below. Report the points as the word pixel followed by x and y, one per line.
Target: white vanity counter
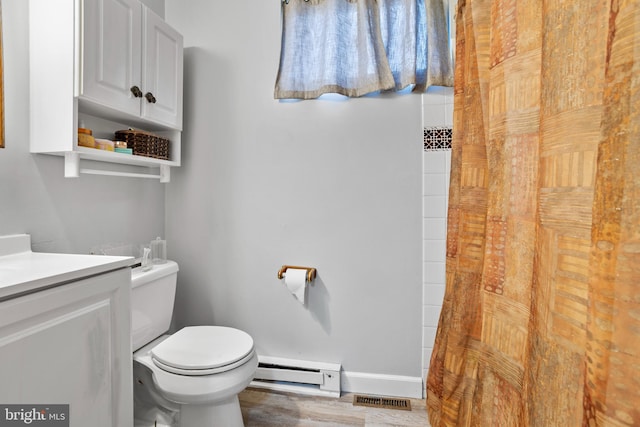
pixel 23 271
pixel 65 332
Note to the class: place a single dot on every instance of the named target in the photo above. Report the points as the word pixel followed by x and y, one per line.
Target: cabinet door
pixel 162 70
pixel 111 49
pixel 71 345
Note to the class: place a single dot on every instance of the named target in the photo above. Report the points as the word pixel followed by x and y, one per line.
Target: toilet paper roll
pixel 296 281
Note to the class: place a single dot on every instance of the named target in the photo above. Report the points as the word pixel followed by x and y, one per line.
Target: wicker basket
pixel 144 143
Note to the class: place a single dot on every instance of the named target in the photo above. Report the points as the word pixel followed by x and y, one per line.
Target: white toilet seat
pixel 198 372
pixel 203 350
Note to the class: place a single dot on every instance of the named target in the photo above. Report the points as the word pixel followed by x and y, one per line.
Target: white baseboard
pixel 382 385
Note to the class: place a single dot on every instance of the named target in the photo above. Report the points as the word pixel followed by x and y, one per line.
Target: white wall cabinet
pixel 70 344
pixel 131 61
pixel 106 65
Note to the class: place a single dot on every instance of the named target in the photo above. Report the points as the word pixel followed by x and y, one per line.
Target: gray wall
pixel 332 184
pixel 62 215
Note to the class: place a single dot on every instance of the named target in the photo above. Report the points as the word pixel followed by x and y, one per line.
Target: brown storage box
pixel 144 143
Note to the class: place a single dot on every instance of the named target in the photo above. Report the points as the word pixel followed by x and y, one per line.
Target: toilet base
pixel 225 413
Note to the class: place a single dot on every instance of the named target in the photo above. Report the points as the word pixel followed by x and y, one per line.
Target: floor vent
pixel 382 402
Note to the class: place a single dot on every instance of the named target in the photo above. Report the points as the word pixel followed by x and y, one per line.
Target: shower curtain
pixel 540 324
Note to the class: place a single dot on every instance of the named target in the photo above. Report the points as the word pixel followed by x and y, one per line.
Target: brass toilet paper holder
pixel 311 272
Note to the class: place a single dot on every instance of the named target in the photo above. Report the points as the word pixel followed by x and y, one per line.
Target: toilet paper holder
pixel 311 272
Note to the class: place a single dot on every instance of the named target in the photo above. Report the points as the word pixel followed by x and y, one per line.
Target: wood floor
pixel 270 408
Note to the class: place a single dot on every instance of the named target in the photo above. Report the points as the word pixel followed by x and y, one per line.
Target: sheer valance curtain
pixel 355 47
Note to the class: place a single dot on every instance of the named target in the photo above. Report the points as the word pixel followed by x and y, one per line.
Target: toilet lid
pixel 203 350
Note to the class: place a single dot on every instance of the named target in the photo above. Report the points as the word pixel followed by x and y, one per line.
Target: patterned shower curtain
pixel 541 319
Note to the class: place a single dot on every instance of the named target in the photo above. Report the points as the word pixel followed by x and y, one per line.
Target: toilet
pixel 189 378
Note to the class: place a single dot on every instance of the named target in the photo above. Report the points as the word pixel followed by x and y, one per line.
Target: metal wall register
pixel 437 138
pixel 34 415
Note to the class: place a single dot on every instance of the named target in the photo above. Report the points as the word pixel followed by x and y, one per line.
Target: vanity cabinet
pixel 70 344
pixel 105 65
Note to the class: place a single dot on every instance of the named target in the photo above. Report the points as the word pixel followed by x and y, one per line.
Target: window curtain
pixel 355 47
pixel 540 324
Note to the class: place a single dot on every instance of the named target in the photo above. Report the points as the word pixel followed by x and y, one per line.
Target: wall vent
pixel 437 138
pixel 298 376
pixel 382 402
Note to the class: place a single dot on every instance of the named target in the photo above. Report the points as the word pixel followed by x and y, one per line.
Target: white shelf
pixel 127 159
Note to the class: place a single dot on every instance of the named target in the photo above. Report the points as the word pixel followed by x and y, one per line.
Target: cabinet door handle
pixel 135 90
pixel 150 98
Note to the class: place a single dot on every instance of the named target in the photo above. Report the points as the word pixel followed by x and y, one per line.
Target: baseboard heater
pixel 298 376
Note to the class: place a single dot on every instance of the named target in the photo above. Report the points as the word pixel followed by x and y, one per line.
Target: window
pixel 355 47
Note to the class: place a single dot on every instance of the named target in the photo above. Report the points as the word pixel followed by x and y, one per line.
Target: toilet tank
pixel 152 296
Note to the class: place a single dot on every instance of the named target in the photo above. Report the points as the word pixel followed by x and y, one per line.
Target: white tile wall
pixel 436 190
pixel 437 111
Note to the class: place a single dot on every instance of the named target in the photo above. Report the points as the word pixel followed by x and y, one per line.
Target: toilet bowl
pixel 190 378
